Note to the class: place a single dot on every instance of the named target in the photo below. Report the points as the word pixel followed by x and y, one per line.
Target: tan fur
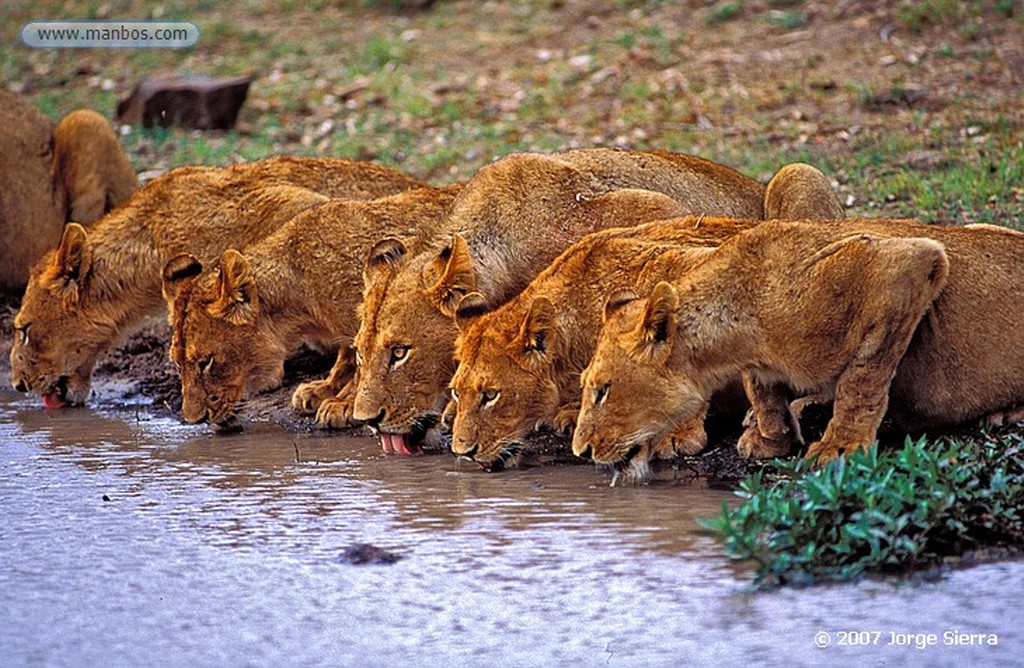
pixel 519 365
pixel 91 165
pixel 833 309
pixel 50 174
pixel 235 323
pixel 514 217
pixel 98 285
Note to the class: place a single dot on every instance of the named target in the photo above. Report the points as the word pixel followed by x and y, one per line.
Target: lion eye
pixel 398 354
pixel 489 397
pixel 205 365
pixel 455 396
pixel 23 330
pixel 601 393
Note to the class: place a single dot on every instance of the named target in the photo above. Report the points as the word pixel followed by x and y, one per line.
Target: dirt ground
pixel 898 101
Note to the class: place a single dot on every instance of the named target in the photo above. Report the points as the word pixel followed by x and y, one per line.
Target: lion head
pixel 506 384
pixel 221 342
pixel 634 392
pixel 406 340
pixel 63 324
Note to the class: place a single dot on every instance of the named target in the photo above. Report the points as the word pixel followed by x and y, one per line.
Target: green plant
pixel 726 11
pixel 915 15
pixel 878 511
pixel 790 20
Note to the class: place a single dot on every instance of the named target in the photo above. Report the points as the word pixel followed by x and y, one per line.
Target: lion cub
pixel 519 365
pixel 234 324
pixel 514 217
pixel 923 320
pixel 50 174
pixel 97 286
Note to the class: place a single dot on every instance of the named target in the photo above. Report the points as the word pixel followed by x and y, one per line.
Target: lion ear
pixel 617 300
pixel 470 307
pixel 661 314
pixel 239 297
pixel 457 278
pixel 70 265
pixel 383 259
pixel 538 329
pixel 179 272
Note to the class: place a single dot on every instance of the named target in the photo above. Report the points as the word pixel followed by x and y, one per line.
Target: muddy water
pixel 129 539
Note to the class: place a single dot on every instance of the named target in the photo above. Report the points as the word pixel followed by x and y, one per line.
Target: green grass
pixel 917 14
pixel 723 12
pixel 878 512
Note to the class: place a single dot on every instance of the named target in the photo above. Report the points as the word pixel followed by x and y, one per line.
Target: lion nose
pixel 468 454
pixel 586 453
pixel 21 385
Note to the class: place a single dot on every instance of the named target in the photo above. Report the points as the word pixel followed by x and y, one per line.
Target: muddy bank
pixel 140 372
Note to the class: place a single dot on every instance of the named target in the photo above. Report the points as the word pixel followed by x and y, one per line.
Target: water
pixel 130 539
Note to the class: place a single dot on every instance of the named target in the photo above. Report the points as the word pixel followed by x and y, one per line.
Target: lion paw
pixel 565 420
pixel 755 445
pixel 335 413
pixel 822 453
pixel 684 441
pixel 308 396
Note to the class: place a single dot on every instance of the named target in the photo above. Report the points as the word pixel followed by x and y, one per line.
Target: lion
pixel 519 365
pixel 513 218
pixel 236 322
pixel 919 322
pixel 99 285
pixel 74 170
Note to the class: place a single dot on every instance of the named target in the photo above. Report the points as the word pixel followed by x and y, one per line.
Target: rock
pixel 196 102
pixel 360 554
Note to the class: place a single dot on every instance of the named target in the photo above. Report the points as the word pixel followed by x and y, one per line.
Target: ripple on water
pixel 217 549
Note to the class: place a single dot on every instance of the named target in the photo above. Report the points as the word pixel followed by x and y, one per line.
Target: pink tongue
pixel 53 400
pixel 394 443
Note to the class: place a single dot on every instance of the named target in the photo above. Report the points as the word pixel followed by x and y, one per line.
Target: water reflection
pixel 132 539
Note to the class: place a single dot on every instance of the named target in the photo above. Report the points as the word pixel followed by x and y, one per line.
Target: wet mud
pixel 139 372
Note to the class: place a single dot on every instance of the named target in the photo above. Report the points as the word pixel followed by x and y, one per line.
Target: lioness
pixel 832 309
pixel 514 217
pixel 234 324
pixel 51 174
pixel 519 365
pixel 96 287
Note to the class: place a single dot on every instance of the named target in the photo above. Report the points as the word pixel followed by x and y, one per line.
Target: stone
pixel 187 101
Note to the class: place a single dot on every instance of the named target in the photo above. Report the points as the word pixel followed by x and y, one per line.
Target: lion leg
pixel 688 438
pixel 1004 418
pixel 908 274
pixel 336 412
pixel 798 406
pixel 451 409
pixel 308 396
pixel 771 428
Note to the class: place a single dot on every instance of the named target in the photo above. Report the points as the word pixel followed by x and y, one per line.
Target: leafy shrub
pixel 878 512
